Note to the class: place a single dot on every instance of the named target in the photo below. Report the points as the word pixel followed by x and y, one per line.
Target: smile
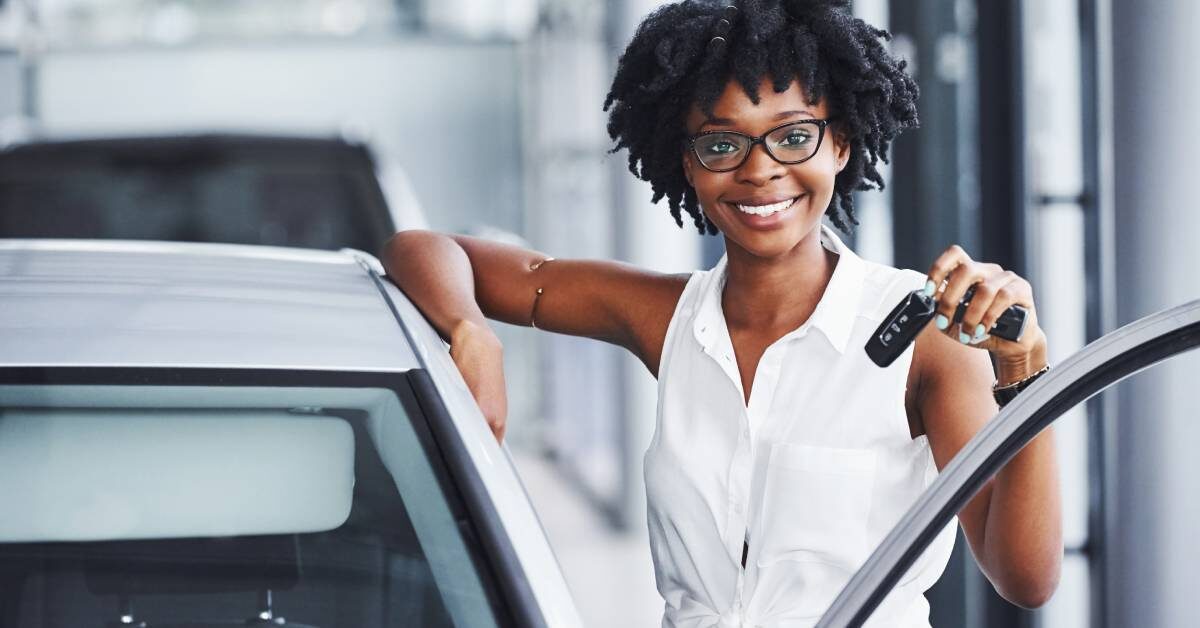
pixel 766 210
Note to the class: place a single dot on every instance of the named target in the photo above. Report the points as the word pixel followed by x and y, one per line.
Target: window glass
pixel 191 195
pixel 398 558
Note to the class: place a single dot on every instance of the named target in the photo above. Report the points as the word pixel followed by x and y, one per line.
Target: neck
pixel 780 292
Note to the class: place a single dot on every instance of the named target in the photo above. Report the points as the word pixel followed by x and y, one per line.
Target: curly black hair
pixel 669 66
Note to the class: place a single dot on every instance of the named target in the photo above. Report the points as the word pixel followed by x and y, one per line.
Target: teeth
pixel 767 210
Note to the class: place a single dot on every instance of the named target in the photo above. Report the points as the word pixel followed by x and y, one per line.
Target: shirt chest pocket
pixel 816 501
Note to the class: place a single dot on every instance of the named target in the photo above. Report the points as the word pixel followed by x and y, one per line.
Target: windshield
pixel 300 195
pixel 204 506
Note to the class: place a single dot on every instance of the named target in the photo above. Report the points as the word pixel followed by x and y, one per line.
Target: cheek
pixel 821 172
pixel 708 185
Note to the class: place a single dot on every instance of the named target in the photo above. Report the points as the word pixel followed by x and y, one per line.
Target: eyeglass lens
pixel 788 144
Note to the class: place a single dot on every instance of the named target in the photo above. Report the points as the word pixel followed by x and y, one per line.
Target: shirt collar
pixel 834 316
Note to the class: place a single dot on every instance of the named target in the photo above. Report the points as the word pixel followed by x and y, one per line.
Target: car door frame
pixel 1102 363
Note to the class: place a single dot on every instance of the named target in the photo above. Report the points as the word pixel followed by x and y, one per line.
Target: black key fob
pixel 901 326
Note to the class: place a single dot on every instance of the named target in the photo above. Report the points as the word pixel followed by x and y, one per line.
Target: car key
pixel 901 326
pixel 1010 325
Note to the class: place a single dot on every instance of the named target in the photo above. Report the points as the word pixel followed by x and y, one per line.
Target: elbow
pixel 398 244
pixel 1034 588
pixel 401 240
pixel 1033 598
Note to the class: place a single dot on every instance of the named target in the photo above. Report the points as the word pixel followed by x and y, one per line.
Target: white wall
pixel 446 112
pixel 10 83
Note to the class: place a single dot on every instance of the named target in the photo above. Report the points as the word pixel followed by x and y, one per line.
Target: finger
pixel 497 418
pixel 495 422
pixel 943 266
pixel 957 283
pixel 1016 291
pixel 985 294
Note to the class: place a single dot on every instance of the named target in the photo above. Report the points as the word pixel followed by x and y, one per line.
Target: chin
pixel 773 244
pixel 769 247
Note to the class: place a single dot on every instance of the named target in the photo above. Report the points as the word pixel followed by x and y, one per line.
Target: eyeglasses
pixel 791 143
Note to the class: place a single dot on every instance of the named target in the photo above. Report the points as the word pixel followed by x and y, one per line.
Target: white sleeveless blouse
pixel 814 471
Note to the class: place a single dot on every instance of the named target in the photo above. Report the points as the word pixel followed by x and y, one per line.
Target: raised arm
pixel 459 281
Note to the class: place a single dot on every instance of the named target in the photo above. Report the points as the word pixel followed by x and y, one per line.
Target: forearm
pixel 1023 541
pixel 435 273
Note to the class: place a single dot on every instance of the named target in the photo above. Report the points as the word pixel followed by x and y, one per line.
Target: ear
pixel 687 169
pixel 841 149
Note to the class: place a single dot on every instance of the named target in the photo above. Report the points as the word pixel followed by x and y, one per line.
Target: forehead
pixel 733 108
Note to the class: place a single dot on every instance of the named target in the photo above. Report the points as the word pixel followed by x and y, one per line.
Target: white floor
pixel 609 573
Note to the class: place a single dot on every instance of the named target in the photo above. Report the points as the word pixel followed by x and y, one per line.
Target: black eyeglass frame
pixel 761 139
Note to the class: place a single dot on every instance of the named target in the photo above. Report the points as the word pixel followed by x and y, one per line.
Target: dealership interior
pixel 1057 139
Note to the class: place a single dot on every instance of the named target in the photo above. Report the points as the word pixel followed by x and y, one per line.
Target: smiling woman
pixel 781 454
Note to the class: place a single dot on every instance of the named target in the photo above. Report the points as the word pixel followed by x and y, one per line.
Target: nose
pixel 759 168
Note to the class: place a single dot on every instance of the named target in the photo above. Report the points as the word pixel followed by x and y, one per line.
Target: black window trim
pixel 496 542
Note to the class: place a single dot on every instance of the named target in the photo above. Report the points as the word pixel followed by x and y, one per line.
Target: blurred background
pixel 1056 140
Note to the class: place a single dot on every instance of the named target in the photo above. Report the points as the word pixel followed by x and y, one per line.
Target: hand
pixel 479 356
pixel 996 289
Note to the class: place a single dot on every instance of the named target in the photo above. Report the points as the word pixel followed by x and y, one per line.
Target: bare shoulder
pixel 636 302
pixel 650 309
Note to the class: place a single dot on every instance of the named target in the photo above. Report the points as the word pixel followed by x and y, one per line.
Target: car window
pixel 258 198
pixel 222 504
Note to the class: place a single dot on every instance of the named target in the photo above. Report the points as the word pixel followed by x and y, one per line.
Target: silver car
pixel 211 435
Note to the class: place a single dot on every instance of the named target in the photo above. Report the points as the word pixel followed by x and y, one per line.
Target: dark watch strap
pixel 1005 394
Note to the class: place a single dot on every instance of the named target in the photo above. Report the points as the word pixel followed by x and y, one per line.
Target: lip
pixel 762 200
pixel 764 223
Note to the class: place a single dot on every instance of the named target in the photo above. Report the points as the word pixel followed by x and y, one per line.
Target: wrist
pixel 1010 369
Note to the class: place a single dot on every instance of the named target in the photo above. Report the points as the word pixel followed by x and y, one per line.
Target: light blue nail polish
pixel 963 338
pixel 929 287
pixel 942 322
pixel 979 331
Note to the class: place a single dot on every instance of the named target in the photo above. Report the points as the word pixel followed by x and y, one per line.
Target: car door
pixel 1101 364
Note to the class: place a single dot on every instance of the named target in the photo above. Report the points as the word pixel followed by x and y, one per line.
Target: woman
pixel 781 454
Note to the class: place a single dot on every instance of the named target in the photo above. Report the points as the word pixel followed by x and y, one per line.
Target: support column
pixel 1157 227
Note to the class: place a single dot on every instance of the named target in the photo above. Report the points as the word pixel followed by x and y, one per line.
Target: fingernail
pixel 942 322
pixel 963 338
pixel 929 287
pixel 979 331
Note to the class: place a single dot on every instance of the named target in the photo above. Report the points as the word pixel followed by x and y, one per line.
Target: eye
pixel 721 147
pixel 795 138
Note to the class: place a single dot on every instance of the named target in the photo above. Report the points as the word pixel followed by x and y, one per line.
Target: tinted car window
pixel 310 194
pixel 398 551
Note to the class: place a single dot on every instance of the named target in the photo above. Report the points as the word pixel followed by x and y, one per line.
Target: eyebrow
pixel 779 116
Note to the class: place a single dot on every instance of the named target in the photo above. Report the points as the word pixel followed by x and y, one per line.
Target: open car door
pixel 1097 366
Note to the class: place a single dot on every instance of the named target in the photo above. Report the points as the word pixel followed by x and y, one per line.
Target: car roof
pixel 142 148
pixel 131 303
